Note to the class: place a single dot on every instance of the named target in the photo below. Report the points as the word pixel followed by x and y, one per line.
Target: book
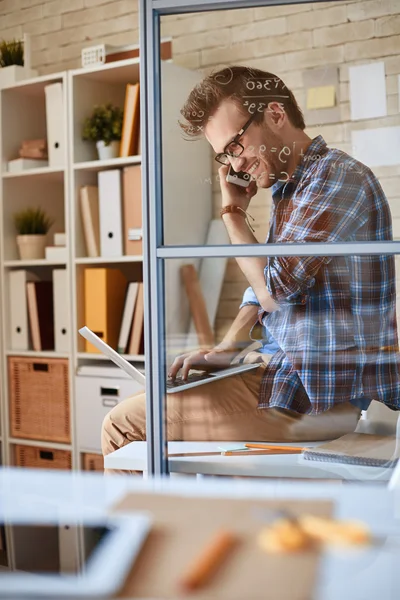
pixel 358 449
pixel 132 210
pixel 136 339
pixel 89 202
pixel 41 314
pixel 21 164
pixel 40 144
pixel 32 153
pixel 127 317
pixel 131 121
pixel 56 253
pixel 60 238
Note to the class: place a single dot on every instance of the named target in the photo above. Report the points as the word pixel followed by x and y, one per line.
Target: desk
pixel 133 457
pixel 365 576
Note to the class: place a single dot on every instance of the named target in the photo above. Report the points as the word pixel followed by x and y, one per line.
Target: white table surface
pixel 133 457
pixel 362 575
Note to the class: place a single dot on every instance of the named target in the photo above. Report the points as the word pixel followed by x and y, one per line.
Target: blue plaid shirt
pixel 334 337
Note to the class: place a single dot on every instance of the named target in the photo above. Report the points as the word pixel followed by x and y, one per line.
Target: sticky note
pixel 321 97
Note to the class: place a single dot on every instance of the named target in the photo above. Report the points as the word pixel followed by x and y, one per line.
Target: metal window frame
pixel 154 252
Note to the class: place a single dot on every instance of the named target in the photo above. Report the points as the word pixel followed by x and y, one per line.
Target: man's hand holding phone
pixel 233 188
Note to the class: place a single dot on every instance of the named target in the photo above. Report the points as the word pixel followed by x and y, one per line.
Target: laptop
pixel 179 384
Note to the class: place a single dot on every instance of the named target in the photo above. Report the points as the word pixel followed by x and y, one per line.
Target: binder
pixel 19 326
pixel 131 121
pixel 41 316
pixel 55 124
pixel 132 205
pixel 104 303
pixel 61 325
pixel 127 317
pixel 136 341
pixel 89 201
pixel 110 213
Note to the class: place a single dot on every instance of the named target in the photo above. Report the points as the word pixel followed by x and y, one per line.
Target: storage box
pixel 92 462
pixel 41 458
pixel 39 398
pixel 95 397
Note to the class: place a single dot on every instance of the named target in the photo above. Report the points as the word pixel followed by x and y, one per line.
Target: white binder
pixel 19 327
pixel 55 124
pixel 61 325
pixel 110 212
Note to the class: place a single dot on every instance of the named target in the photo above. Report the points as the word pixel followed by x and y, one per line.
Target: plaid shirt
pixel 334 336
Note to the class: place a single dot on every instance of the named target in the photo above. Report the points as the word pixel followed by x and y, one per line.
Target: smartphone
pixel 238 177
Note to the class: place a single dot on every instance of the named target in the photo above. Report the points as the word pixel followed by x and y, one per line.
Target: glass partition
pixel 285 133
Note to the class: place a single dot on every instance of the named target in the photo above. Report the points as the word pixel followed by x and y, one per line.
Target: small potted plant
pixel 32 225
pixel 104 127
pixel 12 62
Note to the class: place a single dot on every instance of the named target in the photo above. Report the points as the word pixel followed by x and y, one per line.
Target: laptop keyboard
pixel 192 377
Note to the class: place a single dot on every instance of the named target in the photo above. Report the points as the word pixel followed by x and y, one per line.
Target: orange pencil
pixel 264 452
pixel 208 561
pixel 270 447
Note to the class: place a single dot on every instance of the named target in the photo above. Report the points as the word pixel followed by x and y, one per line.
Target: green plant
pixel 105 123
pixel 11 53
pixel 32 221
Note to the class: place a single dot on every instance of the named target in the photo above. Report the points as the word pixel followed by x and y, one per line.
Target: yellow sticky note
pixel 321 97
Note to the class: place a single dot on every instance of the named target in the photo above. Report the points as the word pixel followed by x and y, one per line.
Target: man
pixel 329 322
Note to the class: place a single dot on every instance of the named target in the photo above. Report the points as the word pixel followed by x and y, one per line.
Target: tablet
pixel 71 558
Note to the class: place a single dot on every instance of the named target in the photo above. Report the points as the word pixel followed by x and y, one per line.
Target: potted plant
pixel 32 225
pixel 104 127
pixel 12 62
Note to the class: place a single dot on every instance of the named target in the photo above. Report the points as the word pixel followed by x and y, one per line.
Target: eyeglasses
pixel 234 149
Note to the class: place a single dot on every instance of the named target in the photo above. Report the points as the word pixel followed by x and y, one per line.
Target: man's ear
pixel 276 112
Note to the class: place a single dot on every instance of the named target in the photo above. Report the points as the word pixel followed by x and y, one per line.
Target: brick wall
pixel 283 39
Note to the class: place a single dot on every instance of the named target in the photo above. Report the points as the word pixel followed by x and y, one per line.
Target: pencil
pixel 250 452
pixel 194 454
pixel 205 565
pixel 270 447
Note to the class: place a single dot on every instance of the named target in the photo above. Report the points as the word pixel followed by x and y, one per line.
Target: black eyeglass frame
pixel 235 140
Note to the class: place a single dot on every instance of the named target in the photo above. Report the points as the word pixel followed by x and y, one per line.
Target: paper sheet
pixel 321 97
pixel 367 91
pixel 377 147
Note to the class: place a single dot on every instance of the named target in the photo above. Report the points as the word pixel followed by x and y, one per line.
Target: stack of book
pixel 131 339
pixel 32 155
pixel 59 249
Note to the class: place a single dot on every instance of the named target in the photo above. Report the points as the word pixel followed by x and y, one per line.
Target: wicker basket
pixel 39 399
pixel 92 462
pixel 42 458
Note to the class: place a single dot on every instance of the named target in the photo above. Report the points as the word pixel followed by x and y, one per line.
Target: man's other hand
pixel 203 360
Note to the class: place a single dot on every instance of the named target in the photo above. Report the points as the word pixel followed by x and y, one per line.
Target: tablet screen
pixel 52 548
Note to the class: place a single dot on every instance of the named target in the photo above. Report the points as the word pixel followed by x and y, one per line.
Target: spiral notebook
pixel 358 449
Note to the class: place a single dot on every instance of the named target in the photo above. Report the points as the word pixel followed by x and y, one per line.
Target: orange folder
pixel 104 303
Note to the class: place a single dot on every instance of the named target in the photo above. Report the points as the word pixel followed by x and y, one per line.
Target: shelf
pixel 46 173
pixel 108 259
pixel 39 262
pixel 128 357
pixel 40 444
pixel 39 354
pixel 113 73
pixel 98 165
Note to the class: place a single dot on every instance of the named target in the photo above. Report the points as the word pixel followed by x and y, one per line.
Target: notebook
pixel 358 449
pixel 178 385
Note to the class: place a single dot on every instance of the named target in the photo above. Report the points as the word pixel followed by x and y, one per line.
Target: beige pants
pixel 225 410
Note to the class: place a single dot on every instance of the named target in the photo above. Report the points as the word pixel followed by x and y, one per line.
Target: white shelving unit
pixel 23 116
